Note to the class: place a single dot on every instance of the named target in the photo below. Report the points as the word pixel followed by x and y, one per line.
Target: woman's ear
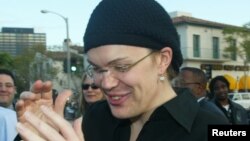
pixel 166 58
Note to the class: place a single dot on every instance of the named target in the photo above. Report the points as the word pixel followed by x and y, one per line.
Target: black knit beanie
pixel 142 23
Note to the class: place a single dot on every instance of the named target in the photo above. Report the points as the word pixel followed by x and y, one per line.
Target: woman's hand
pixel 40 94
pixel 31 101
pixel 77 125
pixel 47 132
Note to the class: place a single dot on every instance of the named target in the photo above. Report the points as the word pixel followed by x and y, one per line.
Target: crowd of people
pixel 195 79
pixel 134 88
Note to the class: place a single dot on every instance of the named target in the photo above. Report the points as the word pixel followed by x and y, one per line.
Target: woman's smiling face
pixel 129 92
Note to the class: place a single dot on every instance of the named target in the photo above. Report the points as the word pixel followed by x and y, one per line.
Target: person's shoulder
pixel 210 106
pixel 206 117
pixel 7 112
pixel 207 104
pixel 237 106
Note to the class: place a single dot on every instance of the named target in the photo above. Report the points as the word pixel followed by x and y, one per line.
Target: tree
pixel 240 35
pixel 23 67
pixel 6 60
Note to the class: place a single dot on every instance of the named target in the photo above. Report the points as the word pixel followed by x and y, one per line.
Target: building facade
pixel 203 44
pixel 14 40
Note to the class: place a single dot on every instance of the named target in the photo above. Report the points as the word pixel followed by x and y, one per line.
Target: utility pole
pixel 67 43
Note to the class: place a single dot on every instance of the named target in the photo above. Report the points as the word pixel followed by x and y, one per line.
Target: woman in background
pixel 219 87
pixel 90 93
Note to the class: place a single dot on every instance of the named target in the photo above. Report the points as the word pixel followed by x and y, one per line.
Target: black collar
pixel 183 108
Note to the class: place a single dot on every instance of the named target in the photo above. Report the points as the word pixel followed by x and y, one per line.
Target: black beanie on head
pixel 142 23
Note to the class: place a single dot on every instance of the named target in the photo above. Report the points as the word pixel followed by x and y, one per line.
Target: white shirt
pixel 226 106
pixel 8 121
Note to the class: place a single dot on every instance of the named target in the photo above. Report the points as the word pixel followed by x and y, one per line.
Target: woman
pixel 219 87
pixel 134 52
pixel 90 93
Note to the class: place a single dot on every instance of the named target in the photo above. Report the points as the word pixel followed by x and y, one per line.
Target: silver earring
pixel 162 78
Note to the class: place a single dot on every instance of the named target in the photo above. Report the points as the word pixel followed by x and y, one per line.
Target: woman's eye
pixel 97 70
pixel 122 68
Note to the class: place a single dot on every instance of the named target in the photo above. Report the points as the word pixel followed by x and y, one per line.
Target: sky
pixel 26 14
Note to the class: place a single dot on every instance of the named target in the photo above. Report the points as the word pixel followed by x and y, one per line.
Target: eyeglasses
pixel 95 72
pixel 86 86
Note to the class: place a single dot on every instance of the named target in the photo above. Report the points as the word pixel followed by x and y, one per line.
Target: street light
pixel 67 42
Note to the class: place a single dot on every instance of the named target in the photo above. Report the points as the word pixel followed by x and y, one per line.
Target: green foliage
pixel 6 60
pixel 24 68
pixel 242 36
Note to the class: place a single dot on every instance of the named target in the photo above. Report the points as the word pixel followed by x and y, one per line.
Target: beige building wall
pixel 187 30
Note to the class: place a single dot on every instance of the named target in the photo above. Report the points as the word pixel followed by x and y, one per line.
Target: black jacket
pixel 180 119
pixel 236 113
pixel 210 106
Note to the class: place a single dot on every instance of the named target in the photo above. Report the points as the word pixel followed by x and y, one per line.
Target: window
pixel 234 50
pixel 179 38
pixel 216 53
pixel 196 45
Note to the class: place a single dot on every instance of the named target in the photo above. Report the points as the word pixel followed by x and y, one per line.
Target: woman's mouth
pixel 116 100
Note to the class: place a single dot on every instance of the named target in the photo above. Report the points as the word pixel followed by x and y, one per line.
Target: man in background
pixel 235 113
pixel 195 80
pixel 7 89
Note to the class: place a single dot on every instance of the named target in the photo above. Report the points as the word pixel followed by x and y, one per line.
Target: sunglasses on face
pixel 86 86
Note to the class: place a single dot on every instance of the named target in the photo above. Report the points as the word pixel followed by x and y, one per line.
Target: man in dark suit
pixel 195 80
